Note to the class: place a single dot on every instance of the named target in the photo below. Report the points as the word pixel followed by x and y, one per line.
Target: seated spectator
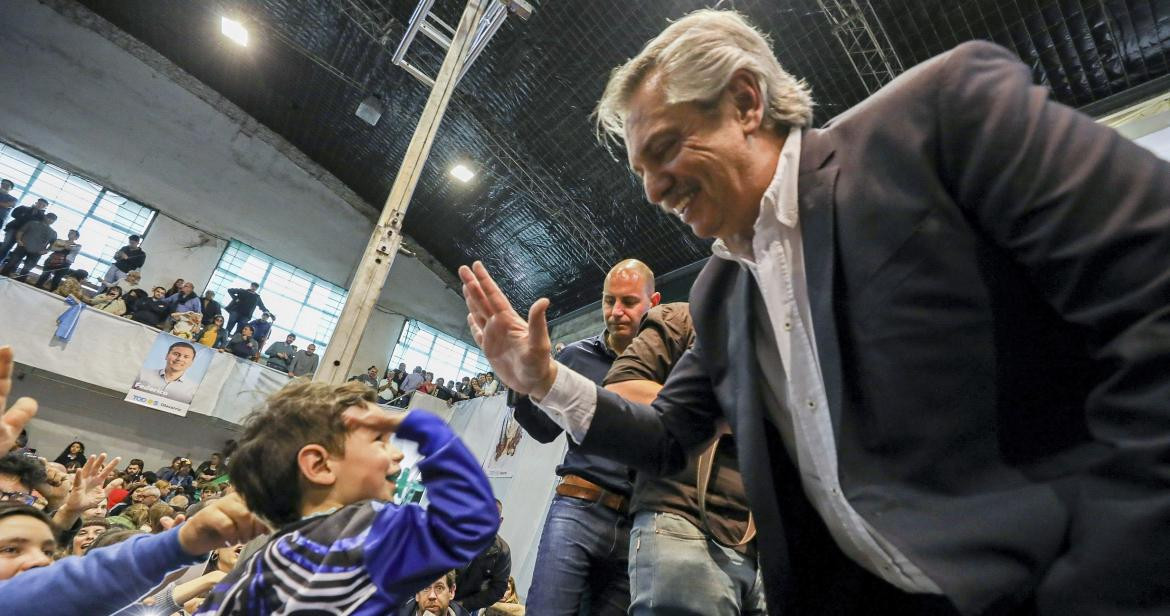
pixel 490 384
pixel 413 380
pixel 180 502
pixel 304 363
pixel 152 310
pixel 20 217
pixel 509 605
pixel 62 253
pixel 435 600
pixel 111 577
pixel 387 390
pixel 71 285
pixel 280 353
pixel 400 376
pixel 208 492
pixel 477 386
pixel 165 473
pixel 262 328
pixel 427 386
pixel 72 457
pixel 157 513
pixel 213 334
pixel 183 478
pixel 210 308
pixel 442 392
pixel 32 242
pixel 369 378
pixel 177 287
pixel 7 199
pixel 464 387
pixel 131 281
pixel 145 495
pixel 211 469
pixel 242 345
pixel 132 298
pixel 132 474
pixel 485 580
pixel 110 301
pixel 128 258
pixel 184 300
pixel 91 529
pixel 338 489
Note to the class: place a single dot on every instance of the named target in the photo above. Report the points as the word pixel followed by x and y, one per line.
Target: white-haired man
pixel 938 328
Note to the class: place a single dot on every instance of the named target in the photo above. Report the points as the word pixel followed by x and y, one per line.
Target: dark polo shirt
pixel 665 334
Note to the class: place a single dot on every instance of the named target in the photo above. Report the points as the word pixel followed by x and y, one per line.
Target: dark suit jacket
pixel 990 297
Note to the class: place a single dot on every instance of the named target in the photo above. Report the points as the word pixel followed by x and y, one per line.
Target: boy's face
pixel 369 467
pixel 25 543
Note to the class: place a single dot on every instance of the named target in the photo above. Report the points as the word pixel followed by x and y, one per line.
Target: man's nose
pixel 40 559
pixel 657 185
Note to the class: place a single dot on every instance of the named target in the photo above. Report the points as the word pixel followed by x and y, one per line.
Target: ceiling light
pixel 462 173
pixel 234 30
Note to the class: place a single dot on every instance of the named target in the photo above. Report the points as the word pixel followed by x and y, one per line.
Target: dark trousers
pixel 236 322
pixel 581 564
pixel 18 254
pixel 55 274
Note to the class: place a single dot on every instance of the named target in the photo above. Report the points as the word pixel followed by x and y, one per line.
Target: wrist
pixel 545 385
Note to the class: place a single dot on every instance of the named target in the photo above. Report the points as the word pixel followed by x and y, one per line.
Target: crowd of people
pixel 176 309
pixel 397 385
pixel 79 535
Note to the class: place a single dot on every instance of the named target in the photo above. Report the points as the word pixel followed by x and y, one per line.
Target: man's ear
pixel 655 299
pixel 313 462
pixel 744 90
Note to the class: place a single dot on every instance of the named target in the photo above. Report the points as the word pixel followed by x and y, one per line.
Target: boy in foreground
pixel 316 463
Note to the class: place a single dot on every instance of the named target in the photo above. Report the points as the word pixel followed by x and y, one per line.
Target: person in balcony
pixel 110 301
pixel 153 310
pixel 243 345
pixel 61 256
pixel 213 335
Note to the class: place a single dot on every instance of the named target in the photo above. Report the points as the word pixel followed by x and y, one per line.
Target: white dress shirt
pixel 794 396
pixel 181 389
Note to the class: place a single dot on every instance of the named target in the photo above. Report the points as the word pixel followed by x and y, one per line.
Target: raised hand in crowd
pixel 224 522
pixel 21 411
pixel 519 350
pixel 84 489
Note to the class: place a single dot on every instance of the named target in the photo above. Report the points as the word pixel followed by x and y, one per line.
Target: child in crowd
pixel 317 465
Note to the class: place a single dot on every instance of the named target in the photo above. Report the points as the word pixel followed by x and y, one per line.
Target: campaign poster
pixel 171 373
pixel 501 460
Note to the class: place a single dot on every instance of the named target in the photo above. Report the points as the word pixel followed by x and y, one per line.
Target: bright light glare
pixel 234 30
pixel 462 173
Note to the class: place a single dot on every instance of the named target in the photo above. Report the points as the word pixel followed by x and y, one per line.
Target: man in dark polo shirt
pixel 581 563
pixel 687 555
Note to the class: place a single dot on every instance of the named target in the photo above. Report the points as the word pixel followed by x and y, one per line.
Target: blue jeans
pixel 581 562
pixel 675 570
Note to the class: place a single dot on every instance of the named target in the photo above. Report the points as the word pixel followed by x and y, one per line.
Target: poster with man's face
pixel 171 373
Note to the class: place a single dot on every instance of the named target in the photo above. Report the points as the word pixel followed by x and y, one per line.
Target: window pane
pixel 303 304
pixel 445 356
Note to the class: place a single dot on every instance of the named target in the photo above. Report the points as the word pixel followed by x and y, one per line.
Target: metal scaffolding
pixel 861 34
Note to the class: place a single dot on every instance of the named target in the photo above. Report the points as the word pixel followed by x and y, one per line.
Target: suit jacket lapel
pixel 815 193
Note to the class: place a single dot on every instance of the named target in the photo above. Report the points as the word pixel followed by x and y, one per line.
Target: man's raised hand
pixel 518 350
pixel 21 411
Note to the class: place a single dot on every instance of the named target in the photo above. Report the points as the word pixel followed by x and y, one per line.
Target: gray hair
pixel 696 57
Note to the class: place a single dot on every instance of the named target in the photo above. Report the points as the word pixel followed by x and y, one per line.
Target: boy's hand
pixel 373 418
pixel 21 411
pixel 226 521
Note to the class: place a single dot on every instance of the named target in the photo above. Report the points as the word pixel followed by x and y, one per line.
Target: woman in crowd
pixel 213 334
pixel 176 288
pixel 61 258
pixel 428 386
pixel 73 456
pixel 153 310
pixel 132 298
pixel 387 388
pixel 131 281
pixel 183 478
pixel 91 529
pixel 110 301
pixel 243 345
pixel 72 285
pixel 165 473
pixel 211 469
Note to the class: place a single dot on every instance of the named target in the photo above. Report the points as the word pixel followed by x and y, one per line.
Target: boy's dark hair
pixel 264 464
pixel 10 508
pixel 112 536
pixel 135 238
pixel 29 470
pixel 149 476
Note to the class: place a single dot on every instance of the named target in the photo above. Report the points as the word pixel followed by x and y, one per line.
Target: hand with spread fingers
pixel 372 417
pixel 83 490
pixel 21 411
pixel 519 350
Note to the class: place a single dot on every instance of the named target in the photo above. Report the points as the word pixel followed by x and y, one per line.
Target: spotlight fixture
pixel 462 173
pixel 234 30
pixel 370 110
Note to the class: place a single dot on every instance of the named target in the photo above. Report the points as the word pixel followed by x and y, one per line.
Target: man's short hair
pixel 264 465
pixel 135 238
pixel 139 462
pixel 27 469
pixel 157 288
pixel 43 200
pixel 7 182
pixel 254 284
pixel 182 344
pixel 50 216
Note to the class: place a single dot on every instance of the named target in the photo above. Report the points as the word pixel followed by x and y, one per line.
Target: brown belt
pixel 577 487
